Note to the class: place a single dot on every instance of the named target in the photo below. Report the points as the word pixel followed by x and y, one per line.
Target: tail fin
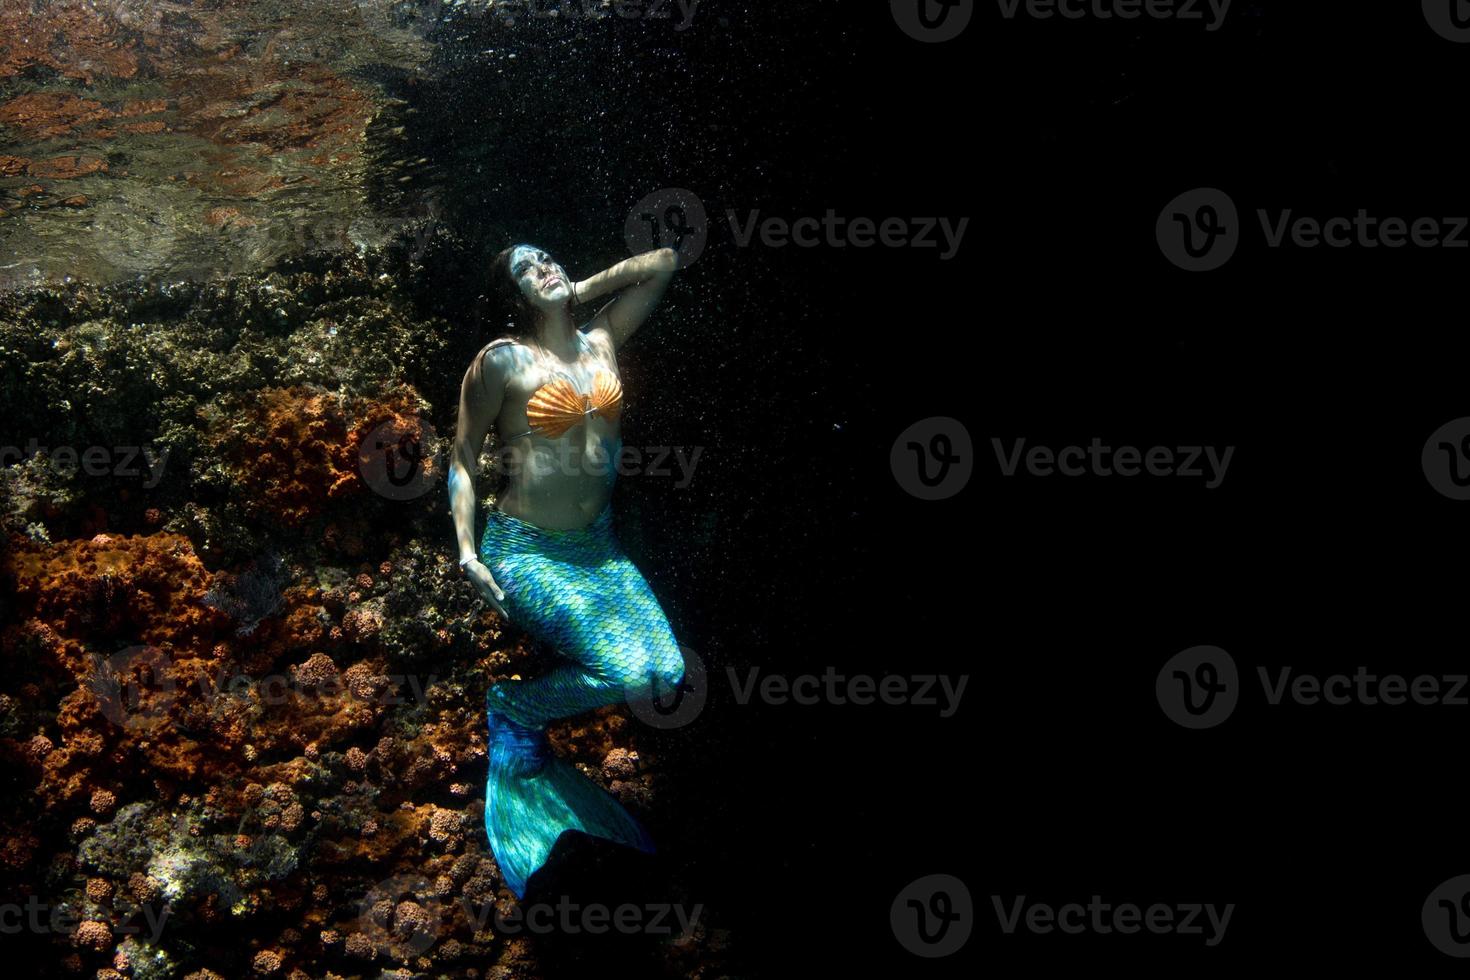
pixel 532 798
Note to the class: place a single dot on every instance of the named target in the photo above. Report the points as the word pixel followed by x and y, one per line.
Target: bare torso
pixel 564 482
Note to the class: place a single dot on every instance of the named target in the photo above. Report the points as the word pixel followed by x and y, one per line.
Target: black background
pixel 1325 548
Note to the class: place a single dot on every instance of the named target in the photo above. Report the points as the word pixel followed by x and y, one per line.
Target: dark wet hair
pixel 521 315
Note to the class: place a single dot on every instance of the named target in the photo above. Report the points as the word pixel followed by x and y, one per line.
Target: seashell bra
pixel 557 406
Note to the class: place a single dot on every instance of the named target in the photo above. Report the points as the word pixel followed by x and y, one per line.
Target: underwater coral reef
pixel 241 721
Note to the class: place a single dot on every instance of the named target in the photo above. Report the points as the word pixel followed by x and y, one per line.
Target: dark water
pixel 795 549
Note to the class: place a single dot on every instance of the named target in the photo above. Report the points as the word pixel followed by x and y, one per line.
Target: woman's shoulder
pixel 506 350
pixel 498 361
pixel 501 342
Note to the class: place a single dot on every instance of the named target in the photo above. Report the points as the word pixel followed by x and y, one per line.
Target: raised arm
pixel 480 397
pixel 642 279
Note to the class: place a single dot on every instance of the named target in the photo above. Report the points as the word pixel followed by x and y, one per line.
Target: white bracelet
pixel 465 561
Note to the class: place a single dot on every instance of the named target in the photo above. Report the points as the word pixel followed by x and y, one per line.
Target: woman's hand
pixel 663 260
pixel 484 583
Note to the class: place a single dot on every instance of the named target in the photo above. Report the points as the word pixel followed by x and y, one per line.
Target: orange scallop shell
pixel 607 396
pixel 557 406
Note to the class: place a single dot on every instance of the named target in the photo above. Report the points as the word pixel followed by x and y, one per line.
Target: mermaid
pixel 548 561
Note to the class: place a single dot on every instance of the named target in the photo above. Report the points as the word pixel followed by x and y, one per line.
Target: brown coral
pixel 103 801
pixel 293 451
pixel 93 935
pixel 266 962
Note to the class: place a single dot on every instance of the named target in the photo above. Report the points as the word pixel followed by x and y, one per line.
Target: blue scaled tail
pixel 532 798
pixel 576 591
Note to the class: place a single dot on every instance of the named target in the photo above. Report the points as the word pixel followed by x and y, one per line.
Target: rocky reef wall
pixel 241 715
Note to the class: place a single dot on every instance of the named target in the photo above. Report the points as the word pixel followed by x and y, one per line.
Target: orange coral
pixel 147 587
pixel 293 451
pixel 77 602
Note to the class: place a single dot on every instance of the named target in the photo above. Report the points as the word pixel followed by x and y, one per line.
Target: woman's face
pixel 542 281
